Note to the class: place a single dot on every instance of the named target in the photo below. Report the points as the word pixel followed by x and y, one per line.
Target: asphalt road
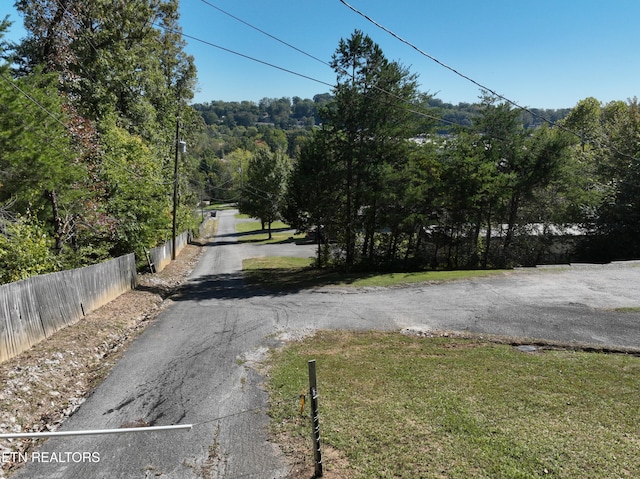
pixel 190 365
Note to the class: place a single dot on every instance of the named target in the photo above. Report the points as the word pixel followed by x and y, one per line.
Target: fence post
pixel 313 394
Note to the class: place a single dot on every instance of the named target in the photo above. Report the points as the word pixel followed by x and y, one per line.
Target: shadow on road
pixel 225 286
pixel 252 233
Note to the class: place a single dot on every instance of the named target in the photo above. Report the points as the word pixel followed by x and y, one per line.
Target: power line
pixel 426 115
pixel 248 57
pixel 502 97
pixel 33 100
pixel 265 33
pixel 442 64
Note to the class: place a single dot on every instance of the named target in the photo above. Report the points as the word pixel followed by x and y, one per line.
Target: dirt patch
pixel 298 449
pixel 46 384
pixel 335 465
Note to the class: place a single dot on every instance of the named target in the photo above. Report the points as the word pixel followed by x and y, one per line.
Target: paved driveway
pixel 189 367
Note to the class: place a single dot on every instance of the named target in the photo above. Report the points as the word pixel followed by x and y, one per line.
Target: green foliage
pixel 265 186
pixel 87 138
pixel 249 126
pixel 352 174
pixel 87 124
pixel 112 60
pixel 25 250
pixel 36 153
pixel 618 219
pixel 369 124
pixel 137 193
pixel 312 195
pixel 5 25
pixel 493 178
pixel 390 203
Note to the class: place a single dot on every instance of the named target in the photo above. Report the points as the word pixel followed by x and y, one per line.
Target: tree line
pixel 289 113
pixel 384 188
pixel 89 102
pixel 283 113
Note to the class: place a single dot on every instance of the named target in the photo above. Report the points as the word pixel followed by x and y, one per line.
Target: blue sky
pixel 543 53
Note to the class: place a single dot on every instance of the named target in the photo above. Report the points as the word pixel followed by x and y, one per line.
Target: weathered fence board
pixel 35 308
pixel 161 255
pixel 20 327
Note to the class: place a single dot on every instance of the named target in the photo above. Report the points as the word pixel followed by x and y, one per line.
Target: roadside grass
pixel 288 272
pixel 629 309
pixel 403 406
pixel 253 232
pixel 221 206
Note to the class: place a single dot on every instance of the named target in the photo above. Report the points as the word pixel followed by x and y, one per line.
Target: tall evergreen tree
pixel 369 124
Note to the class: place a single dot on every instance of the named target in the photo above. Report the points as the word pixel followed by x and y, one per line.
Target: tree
pixel 304 110
pixel 137 202
pixel 584 121
pixel 25 250
pixel 313 201
pixel 523 162
pixel 582 181
pixel 278 109
pixel 275 138
pixel 492 176
pixel 619 214
pixel 469 193
pixel 369 125
pixel 123 80
pixel 265 187
pixel 111 58
pixel 38 163
pixel 352 172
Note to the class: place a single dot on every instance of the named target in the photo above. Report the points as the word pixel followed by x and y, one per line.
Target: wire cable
pixel 265 33
pixel 442 64
pixel 377 88
pixel 33 100
pixel 502 97
pixel 228 50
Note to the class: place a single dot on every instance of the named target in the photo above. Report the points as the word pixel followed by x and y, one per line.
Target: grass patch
pixel 629 309
pixel 285 272
pixel 252 232
pixel 399 406
pixel 222 206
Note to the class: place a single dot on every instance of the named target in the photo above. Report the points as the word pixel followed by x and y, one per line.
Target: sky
pixel 539 54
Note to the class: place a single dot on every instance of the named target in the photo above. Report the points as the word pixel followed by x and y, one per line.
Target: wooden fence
pixel 33 309
pixel 161 255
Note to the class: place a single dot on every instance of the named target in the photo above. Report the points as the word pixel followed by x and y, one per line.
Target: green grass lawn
pixel 285 272
pixel 630 309
pixel 254 233
pixel 222 206
pixel 396 406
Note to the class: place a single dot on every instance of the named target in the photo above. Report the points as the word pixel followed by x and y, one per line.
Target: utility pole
pixel 175 192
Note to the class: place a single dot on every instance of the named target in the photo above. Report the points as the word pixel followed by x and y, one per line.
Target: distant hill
pixel 462 114
pixel 287 113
